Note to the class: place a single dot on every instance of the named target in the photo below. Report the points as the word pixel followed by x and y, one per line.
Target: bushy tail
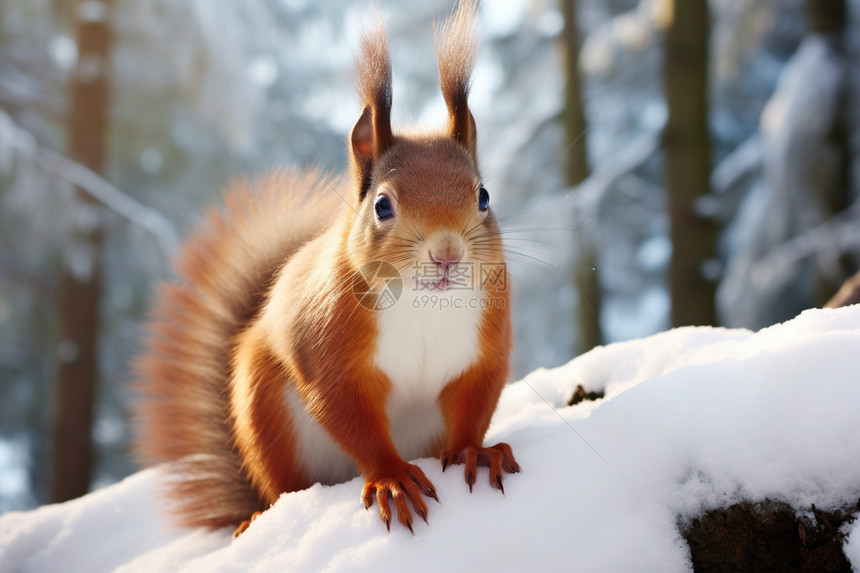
pixel 224 271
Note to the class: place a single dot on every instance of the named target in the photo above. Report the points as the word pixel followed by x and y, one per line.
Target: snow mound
pixel 693 419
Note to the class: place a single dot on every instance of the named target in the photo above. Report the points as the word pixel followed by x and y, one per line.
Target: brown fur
pixel 265 311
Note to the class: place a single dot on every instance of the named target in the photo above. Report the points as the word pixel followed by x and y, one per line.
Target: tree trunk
pixel 827 18
pixel 79 288
pixel 576 171
pixel 687 151
pixel 576 160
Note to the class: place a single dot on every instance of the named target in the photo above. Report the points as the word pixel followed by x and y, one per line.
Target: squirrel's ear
pixel 362 146
pixel 371 136
pixel 456 47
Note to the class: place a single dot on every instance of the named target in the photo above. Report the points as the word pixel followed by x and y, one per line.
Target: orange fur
pixel 223 272
pixel 264 373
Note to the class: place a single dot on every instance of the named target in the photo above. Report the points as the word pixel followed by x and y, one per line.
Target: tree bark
pixel 576 160
pixel 80 282
pixel 827 18
pixel 768 536
pixel 586 276
pixel 687 156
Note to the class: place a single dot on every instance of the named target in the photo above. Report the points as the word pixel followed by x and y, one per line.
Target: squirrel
pixel 291 351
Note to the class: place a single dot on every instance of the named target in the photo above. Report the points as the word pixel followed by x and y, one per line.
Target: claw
pixel 403 489
pixel 423 515
pixel 498 458
pixel 432 493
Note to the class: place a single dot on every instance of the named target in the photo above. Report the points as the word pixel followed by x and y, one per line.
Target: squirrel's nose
pixel 446 258
pixel 445 249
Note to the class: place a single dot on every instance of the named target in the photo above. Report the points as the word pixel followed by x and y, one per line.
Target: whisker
pixel 534 258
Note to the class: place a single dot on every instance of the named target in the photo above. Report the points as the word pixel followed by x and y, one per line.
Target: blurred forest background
pixel 654 163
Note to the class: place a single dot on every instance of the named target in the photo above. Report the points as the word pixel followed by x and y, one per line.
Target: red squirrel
pixel 279 360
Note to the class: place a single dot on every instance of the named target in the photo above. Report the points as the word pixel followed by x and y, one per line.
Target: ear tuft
pixel 371 136
pixel 457 46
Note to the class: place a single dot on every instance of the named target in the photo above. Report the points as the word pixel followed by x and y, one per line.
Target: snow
pixel 852 546
pixel 13 466
pixel 92 11
pixel 694 418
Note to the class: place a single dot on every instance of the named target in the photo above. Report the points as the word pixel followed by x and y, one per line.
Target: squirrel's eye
pixel 483 199
pixel 383 208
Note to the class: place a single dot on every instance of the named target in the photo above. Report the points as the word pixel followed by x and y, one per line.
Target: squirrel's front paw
pixel 497 458
pixel 408 483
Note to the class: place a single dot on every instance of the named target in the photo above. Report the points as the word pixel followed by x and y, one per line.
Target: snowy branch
pixel 732 178
pixel 591 192
pixel 826 242
pixel 98 188
pixel 744 160
pixel 112 198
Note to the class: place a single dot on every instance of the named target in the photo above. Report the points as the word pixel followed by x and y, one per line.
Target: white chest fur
pixel 424 341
